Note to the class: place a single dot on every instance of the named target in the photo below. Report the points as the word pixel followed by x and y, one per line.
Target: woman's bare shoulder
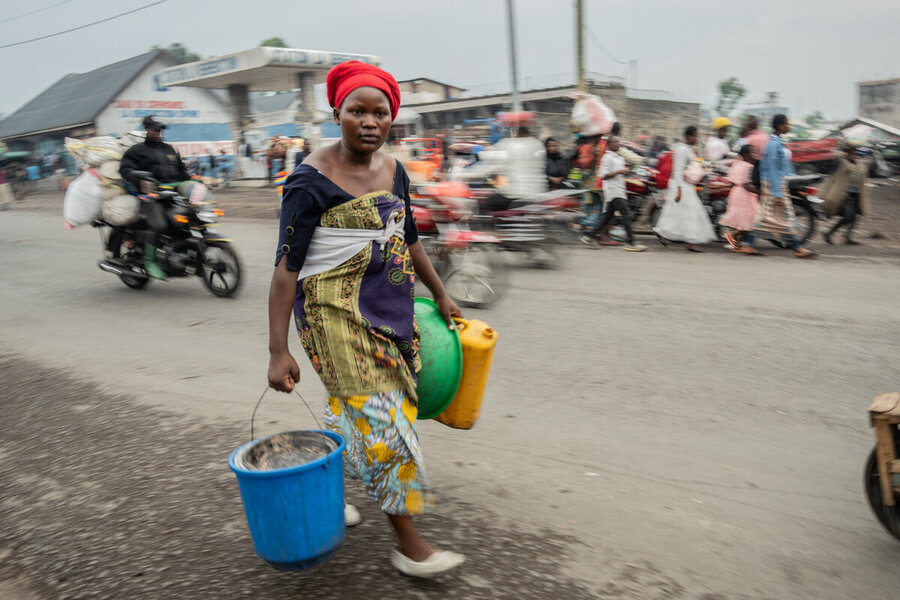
pixel 321 158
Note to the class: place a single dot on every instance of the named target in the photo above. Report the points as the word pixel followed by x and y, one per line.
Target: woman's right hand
pixel 284 372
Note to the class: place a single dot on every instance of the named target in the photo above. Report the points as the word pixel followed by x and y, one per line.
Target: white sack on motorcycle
pixel 83 201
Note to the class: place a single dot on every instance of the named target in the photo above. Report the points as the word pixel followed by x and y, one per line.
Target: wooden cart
pixel 882 478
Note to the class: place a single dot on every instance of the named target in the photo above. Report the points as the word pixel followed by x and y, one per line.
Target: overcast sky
pixel 811 51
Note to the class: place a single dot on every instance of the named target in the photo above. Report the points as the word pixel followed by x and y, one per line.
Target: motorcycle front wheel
pixel 888 516
pixel 220 269
pixel 476 277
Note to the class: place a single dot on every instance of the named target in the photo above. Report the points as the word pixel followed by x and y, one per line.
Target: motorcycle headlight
pixel 207 216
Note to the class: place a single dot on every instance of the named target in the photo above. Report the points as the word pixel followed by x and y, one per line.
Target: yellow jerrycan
pixel 478 342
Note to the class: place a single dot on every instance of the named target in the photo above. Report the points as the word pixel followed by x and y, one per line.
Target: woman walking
pixel 347 260
pixel 743 201
pixel 776 212
pixel 683 217
pixel 845 193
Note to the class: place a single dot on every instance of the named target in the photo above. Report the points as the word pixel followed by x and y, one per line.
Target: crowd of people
pixel 757 166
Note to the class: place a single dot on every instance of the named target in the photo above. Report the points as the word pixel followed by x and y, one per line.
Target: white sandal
pixel 351 515
pixel 439 562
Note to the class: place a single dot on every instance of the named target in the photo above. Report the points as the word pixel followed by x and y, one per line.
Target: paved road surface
pixel 657 425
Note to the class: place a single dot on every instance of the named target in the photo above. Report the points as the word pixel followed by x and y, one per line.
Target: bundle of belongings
pixel 98 192
pixel 590 116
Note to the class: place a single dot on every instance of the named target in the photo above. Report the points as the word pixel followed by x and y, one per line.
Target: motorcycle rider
pixel 717 148
pixel 520 161
pixel 164 165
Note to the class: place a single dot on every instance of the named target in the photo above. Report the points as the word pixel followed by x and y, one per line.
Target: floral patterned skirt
pixel 383 449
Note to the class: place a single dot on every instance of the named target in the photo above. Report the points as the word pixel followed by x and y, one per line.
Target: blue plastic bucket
pixel 295 514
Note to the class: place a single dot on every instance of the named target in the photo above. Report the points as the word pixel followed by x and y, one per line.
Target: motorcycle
pixel 882 471
pixel 469 262
pixel 190 247
pixel 534 226
pixel 643 196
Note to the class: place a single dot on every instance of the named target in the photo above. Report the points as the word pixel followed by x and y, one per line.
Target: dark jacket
pixel 558 165
pixel 158 158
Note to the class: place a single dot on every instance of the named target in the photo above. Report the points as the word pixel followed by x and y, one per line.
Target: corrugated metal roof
pixel 75 99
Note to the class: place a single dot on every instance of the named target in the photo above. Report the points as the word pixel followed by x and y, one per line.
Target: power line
pixel 34 12
pixel 44 37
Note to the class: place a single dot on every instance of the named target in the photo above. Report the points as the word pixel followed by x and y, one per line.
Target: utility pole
pixel 579 45
pixel 634 74
pixel 513 67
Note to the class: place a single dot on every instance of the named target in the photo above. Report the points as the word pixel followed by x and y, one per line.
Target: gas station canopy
pixel 262 69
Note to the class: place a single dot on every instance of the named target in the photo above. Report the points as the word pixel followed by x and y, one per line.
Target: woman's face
pixel 365 119
pixel 691 139
pixel 552 148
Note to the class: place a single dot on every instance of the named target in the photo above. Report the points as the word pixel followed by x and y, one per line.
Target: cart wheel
pixel 889 516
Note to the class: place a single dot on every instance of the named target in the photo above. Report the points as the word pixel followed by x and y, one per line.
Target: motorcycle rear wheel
pixel 804 228
pixel 120 250
pixel 220 269
pixel 888 516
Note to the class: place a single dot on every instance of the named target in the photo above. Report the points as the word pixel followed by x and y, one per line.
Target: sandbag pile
pixel 98 191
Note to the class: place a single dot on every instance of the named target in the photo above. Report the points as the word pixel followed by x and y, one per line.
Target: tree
pixel 180 53
pixel 275 42
pixel 730 93
pixel 815 119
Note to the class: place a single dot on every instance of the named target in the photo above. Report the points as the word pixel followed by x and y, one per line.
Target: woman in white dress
pixel 683 217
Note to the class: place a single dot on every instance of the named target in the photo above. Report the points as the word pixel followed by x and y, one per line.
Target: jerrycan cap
pixel 488 332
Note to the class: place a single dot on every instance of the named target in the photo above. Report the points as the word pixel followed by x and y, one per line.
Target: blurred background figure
pixel 743 200
pixel 776 214
pixel 223 164
pixel 683 217
pixel 717 147
pixel 520 161
pixel 557 165
pixel 845 193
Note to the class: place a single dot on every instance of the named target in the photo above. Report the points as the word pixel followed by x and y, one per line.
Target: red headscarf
pixel 347 76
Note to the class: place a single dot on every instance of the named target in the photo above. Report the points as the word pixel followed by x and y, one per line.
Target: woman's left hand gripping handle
pixel 284 372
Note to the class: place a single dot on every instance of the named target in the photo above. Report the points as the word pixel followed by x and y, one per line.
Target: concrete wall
pixel 880 101
pixel 658 117
pixel 637 116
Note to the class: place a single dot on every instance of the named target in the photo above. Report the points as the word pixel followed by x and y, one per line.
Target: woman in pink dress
pixel 743 201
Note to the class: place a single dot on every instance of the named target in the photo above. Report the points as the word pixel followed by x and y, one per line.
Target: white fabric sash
pixel 331 247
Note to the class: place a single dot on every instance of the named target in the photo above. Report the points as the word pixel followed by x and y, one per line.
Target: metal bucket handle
pixel 263 395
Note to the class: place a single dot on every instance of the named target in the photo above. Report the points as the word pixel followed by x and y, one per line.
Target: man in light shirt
pixel 717 148
pixel 520 160
pixel 613 171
